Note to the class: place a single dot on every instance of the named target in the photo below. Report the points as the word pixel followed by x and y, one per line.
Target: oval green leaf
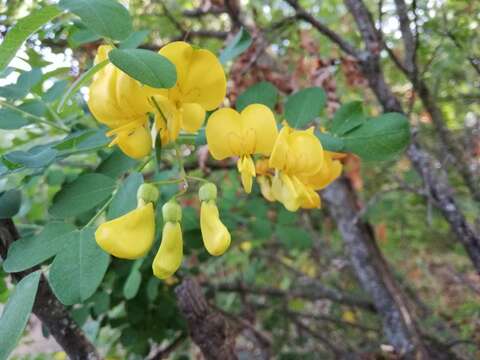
pixel 27 252
pixel 107 18
pixel 10 202
pixel 238 45
pixel 380 138
pixel 148 67
pixel 22 30
pixel 83 194
pixel 304 106
pixel 17 312
pixel 78 269
pixel 261 93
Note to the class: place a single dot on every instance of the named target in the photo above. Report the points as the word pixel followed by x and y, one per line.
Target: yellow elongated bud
pixel 216 236
pixel 129 236
pixel 170 253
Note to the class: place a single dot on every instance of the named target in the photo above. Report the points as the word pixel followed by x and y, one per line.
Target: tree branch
pixel 322 28
pixel 308 290
pixel 53 314
pixel 207 327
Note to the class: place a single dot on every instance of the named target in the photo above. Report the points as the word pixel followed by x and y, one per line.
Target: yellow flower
pixel 170 253
pixel 296 155
pixel 297 152
pixel 216 236
pixel 130 236
pixel 121 103
pixel 201 86
pixel 253 131
pixel 169 256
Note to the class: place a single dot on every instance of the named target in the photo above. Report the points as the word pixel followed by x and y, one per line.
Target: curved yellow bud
pixel 170 253
pixel 216 236
pixel 129 236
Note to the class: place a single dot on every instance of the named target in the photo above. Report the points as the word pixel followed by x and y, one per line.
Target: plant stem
pixel 34 117
pixel 100 212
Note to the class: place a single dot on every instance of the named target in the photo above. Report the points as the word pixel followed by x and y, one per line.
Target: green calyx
pixel 172 212
pixel 208 192
pixel 147 193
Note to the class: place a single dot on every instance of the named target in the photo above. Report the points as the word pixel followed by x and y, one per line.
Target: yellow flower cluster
pixel 131 236
pixel 123 104
pixel 290 165
pixel 297 165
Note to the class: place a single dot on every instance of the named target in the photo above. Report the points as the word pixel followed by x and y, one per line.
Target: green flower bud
pixel 207 192
pixel 172 212
pixel 147 193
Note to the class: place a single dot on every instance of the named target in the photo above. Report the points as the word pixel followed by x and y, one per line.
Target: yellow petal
pixel 193 116
pixel 132 95
pixel 279 156
pixel 200 76
pixel 168 120
pixel 283 190
pixel 326 175
pixel 246 167
pixel 130 236
pixel 232 134
pixel 223 131
pixel 114 97
pixel 137 143
pixel 258 119
pixel 265 183
pixel 170 254
pixel 216 236
pixel 297 152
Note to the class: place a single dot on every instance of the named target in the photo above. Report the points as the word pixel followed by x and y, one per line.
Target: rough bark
pixel 48 309
pixel 434 178
pixel 410 69
pixel 373 272
pixel 207 327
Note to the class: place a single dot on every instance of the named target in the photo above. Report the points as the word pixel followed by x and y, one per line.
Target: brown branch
pixel 409 40
pixel 372 270
pixel 434 178
pixel 323 29
pixel 207 327
pixel 308 290
pixel 164 353
pixel 53 314
pixel 233 8
pixel 199 12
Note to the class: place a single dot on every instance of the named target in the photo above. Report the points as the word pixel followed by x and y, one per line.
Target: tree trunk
pixel 53 314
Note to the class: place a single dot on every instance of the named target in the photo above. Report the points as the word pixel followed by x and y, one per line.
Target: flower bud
pixel 129 236
pixel 148 193
pixel 170 253
pixel 207 192
pixel 216 236
pixel 172 212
